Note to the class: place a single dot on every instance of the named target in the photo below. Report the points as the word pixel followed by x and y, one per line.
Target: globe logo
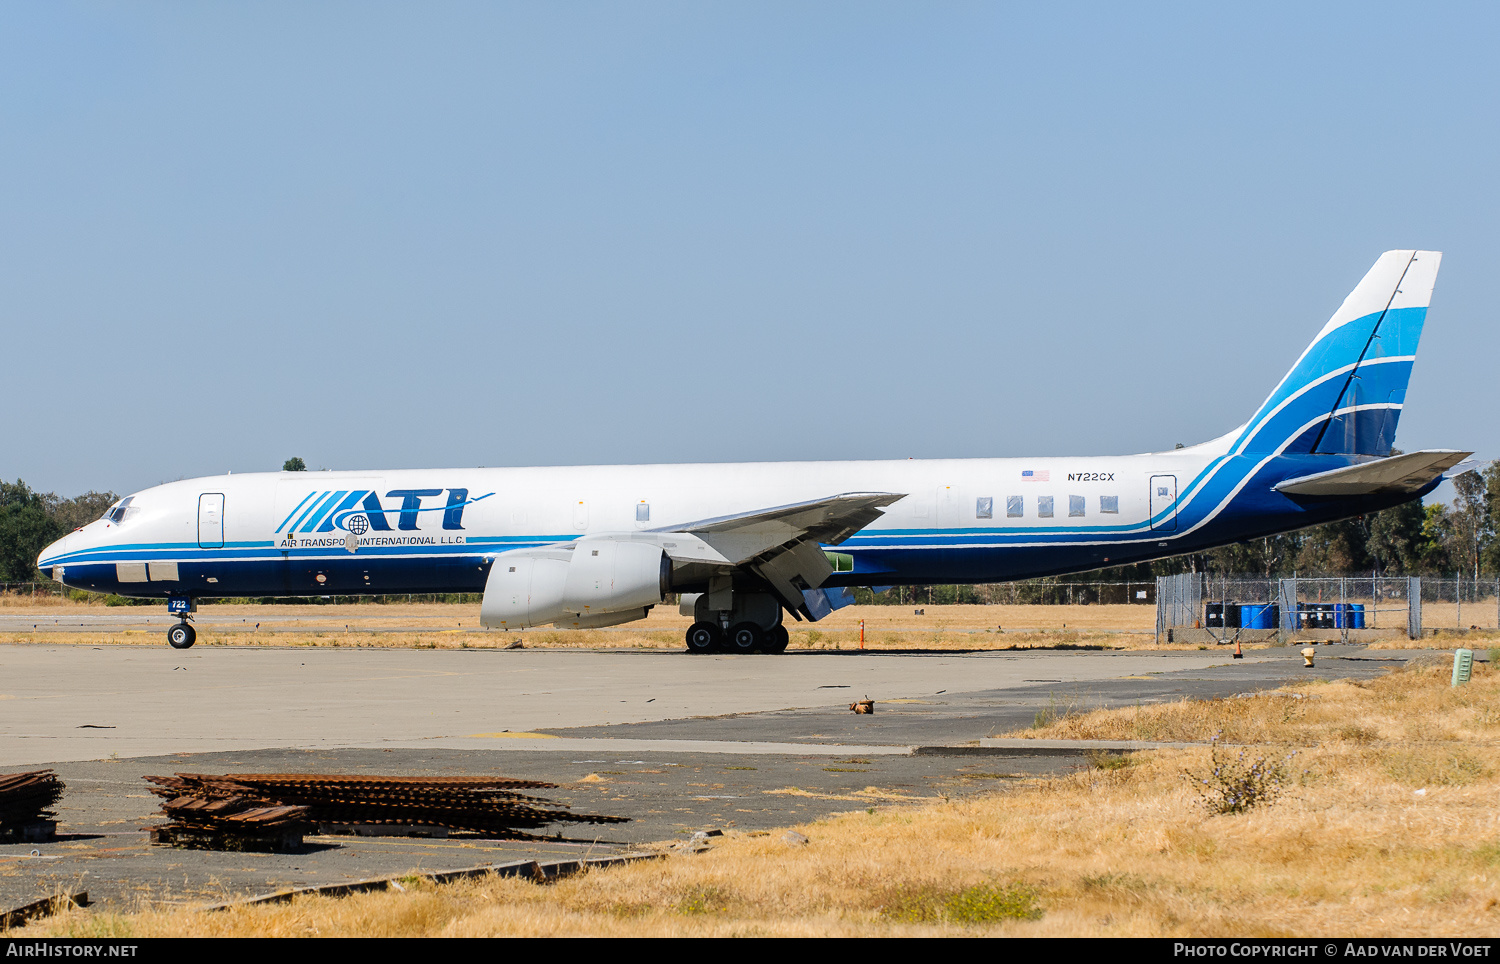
pixel 357 524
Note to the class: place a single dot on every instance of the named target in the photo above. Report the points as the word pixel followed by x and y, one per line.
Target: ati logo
pixel 362 510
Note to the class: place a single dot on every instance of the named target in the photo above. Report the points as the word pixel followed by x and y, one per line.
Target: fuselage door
pixel 211 520
pixel 947 507
pixel 1164 502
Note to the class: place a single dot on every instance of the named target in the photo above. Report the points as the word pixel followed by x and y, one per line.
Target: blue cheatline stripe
pixel 294 511
pixel 1186 493
pixel 323 509
pixel 269 550
pixel 310 510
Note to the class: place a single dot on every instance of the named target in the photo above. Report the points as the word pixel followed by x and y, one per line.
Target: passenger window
pixel 1075 506
pixel 1015 506
pixel 984 507
pixel 1044 506
pixel 643 512
pixel 1110 504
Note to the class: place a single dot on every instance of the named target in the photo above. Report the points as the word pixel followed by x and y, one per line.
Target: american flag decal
pixel 1030 475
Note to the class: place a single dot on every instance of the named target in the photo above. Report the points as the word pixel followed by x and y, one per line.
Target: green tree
pixel 25 530
pixel 1334 547
pixel 1492 495
pixel 294 464
pixel 1395 543
pixel 1471 526
pixel 1436 537
pixel 79 511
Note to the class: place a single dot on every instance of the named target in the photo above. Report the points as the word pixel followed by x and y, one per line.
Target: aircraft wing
pixel 781 544
pixel 746 535
pixel 1399 473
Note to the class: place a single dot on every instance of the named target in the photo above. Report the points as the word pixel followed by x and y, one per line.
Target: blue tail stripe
pixel 1316 386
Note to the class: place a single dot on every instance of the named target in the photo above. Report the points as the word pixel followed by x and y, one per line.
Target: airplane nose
pixel 47 559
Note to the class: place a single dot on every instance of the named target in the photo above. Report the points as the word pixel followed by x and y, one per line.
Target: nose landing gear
pixel 181 636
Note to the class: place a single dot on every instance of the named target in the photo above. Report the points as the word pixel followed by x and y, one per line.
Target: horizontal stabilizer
pixel 1399 473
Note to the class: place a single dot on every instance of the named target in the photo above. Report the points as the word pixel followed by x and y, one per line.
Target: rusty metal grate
pixel 24 802
pixel 230 809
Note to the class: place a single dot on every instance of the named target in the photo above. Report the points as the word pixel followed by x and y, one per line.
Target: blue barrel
pixel 1259 616
pixel 1348 616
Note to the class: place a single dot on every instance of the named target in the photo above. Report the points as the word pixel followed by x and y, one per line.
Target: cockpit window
pixel 117 513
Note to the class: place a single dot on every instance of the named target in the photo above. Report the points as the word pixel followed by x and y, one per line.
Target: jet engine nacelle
pixel 581 585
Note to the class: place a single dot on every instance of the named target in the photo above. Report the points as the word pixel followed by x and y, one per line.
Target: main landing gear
pixel 746 637
pixel 181 636
pixel 734 621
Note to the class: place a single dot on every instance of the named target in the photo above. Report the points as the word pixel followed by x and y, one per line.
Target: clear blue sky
pixel 398 235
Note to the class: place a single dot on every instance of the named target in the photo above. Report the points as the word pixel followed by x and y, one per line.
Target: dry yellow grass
pixel 630 638
pixel 1479 613
pixel 1387 828
pixel 936 618
pixel 28 600
pixel 1415 706
pixel 456 626
pixel 1443 639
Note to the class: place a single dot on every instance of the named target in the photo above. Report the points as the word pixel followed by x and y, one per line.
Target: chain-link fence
pixel 1037 592
pixel 1189 600
pixel 1460 602
pixel 1346 603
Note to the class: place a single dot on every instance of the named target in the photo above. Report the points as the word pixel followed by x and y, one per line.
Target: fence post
pixel 1414 607
pixel 1161 601
pixel 1286 602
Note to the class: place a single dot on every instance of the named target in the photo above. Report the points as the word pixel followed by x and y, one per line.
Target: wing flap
pixel 783 545
pixel 1399 473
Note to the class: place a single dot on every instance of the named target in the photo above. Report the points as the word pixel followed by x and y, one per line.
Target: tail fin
pixel 1345 393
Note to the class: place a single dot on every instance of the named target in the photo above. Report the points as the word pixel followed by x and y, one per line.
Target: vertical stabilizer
pixel 1344 395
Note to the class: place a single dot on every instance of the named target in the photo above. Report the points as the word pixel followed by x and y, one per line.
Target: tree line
pixel 30 521
pixel 1409 539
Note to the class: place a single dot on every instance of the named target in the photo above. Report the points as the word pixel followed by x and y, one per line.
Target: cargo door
pixel 1164 503
pixel 211 520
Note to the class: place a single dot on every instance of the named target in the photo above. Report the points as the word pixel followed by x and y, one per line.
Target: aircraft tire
pixel 181 636
pixel 703 638
pixel 745 638
pixel 777 639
